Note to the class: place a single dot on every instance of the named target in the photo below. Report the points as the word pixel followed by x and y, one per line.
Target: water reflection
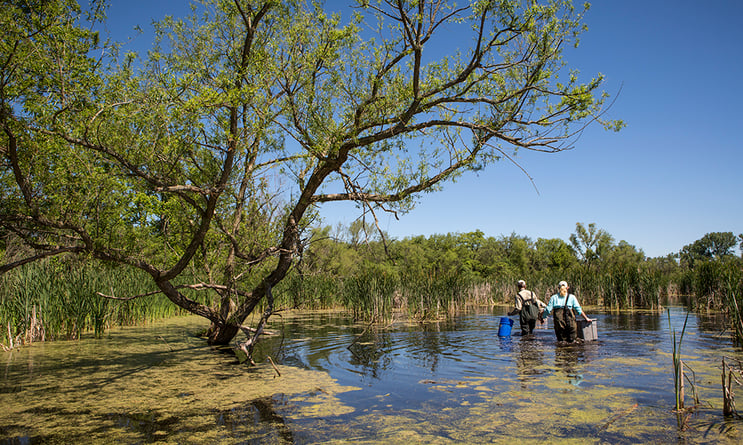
pixel 567 357
pixel 426 348
pixel 505 344
pixel 636 320
pixel 442 382
pixel 369 353
pixel 713 323
pixel 530 359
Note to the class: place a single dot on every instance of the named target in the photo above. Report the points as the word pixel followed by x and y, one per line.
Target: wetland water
pixel 447 382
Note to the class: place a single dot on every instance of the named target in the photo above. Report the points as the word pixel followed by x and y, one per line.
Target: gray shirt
pixel 526 295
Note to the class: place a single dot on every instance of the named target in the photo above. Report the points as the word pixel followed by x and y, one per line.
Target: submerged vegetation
pixel 373 278
pixel 459 384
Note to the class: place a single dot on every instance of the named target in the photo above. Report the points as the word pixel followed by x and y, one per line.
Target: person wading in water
pixel 563 306
pixel 529 308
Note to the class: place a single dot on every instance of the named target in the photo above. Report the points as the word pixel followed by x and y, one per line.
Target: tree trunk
pixel 222 334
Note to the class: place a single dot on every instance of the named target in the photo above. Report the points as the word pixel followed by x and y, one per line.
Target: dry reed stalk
pixel 680 405
pixel 10 338
pixel 727 394
pixel 678 364
pixel 728 404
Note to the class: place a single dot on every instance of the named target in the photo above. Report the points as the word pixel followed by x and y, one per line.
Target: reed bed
pixel 369 296
pixel 375 295
pixel 720 285
pixel 616 287
pixel 429 295
pixel 308 291
pixel 51 300
pixel 58 299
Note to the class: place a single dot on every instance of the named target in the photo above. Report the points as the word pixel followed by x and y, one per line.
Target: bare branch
pixel 58 251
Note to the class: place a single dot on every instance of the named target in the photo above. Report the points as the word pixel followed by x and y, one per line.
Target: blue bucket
pixel 505 327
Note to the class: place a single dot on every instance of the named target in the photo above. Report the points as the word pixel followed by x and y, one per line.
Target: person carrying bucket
pixel 529 308
pixel 564 305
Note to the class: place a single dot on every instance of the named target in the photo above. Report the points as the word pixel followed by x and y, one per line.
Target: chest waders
pixel 528 315
pixel 565 326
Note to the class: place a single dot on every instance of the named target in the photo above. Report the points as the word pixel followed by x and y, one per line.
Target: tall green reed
pixel 314 291
pixel 57 299
pixel 435 295
pixel 370 296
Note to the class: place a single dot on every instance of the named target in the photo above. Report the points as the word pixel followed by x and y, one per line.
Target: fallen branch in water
pixel 278 374
pixel 248 329
pixel 247 346
pixel 618 416
pixel 166 343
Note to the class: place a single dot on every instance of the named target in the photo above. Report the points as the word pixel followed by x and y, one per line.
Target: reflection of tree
pixel 428 345
pixel 375 351
pixel 259 414
pixel 635 321
pixel 304 342
pixel 369 352
pixel 712 322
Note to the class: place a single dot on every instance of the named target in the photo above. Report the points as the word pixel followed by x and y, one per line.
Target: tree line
pixel 589 253
pixel 431 276
pixel 357 269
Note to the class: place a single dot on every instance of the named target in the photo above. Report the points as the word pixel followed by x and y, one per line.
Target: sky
pixel 667 179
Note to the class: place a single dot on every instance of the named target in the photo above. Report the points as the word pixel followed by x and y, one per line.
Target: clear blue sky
pixel 668 178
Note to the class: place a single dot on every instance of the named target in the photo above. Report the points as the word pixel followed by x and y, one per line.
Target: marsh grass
pixel 375 295
pixel 308 291
pixel 52 300
pixel 718 285
pixel 369 296
pixel 58 299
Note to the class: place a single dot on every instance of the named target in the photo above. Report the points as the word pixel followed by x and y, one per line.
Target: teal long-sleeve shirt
pixel 557 301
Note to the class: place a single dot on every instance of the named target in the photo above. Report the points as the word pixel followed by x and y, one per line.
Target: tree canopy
pixel 713 245
pixel 206 162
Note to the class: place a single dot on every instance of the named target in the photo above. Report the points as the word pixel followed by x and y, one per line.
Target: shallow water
pixel 453 382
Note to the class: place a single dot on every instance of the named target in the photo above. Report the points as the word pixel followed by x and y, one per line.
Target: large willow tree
pixel 209 156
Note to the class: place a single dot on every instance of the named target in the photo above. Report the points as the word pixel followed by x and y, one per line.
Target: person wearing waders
pixel 529 307
pixel 563 306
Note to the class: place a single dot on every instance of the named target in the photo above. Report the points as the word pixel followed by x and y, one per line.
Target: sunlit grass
pixel 53 300
pixel 59 299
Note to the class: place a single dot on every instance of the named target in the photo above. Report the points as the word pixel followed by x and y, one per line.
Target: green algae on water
pixel 138 387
